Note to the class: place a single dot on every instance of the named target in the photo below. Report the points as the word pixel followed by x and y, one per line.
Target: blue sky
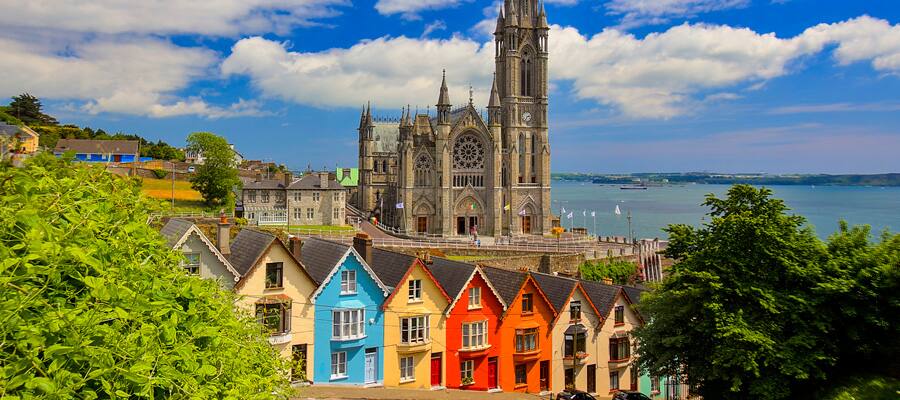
pixel 637 85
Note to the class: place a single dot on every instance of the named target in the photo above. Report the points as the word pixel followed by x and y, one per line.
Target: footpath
pixel 322 392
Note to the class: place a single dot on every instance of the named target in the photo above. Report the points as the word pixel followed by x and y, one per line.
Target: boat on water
pixel 633 187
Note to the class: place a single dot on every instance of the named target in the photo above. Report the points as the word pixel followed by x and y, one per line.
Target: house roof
pixel 386 134
pixel 321 256
pixel 248 247
pixel 98 146
pixel 634 293
pixel 351 178
pixel 603 296
pixel 311 181
pixel 13 130
pixel 556 288
pixel 506 283
pixel 452 275
pixel 390 266
pixel 174 230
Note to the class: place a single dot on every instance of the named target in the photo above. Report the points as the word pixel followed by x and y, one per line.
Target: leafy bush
pixel 160 174
pixel 621 272
pixel 95 306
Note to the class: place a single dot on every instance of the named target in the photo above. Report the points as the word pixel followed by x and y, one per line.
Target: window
pixel 251 196
pixel 466 372
pixel 348 282
pixel 274 275
pixel 274 317
pixel 619 349
pixel 415 290
pixel 337 196
pixel 620 315
pixel 336 213
pixel 575 343
pixel 298 195
pixel 614 380
pixel 475 297
pixel 526 340
pixel 310 213
pixel 406 369
pixel 474 335
pixel 575 310
pixel 521 374
pixel 348 324
pixel 316 197
pixel 414 330
pixel 527 303
pixel 422 171
pixel 192 265
pixel 654 384
pixel 339 365
pixel 264 196
pixel 526 75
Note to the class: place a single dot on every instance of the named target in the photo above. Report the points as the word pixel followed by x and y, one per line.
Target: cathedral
pixel 458 172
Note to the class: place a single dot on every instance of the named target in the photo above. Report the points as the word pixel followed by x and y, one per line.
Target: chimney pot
pixel 223 236
pixel 296 246
pixel 362 243
pixel 607 281
pixel 288 179
pixel 323 180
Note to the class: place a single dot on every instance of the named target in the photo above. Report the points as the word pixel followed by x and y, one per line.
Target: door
pixel 492 373
pixel 422 224
pixel 298 370
pixel 460 225
pixel 570 378
pixel 545 376
pixel 436 370
pixel 592 378
pixel 526 224
pixel 473 224
pixel 371 365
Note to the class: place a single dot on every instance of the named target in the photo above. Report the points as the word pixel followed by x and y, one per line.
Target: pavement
pixel 321 392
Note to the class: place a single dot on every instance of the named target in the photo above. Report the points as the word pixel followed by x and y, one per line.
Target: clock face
pixel 526 116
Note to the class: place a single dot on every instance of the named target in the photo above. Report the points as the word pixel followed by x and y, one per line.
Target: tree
pixel 27 108
pixel 738 315
pixel 218 176
pixel 95 306
pixel 622 272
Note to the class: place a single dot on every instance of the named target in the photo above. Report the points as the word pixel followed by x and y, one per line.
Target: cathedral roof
pixel 385 135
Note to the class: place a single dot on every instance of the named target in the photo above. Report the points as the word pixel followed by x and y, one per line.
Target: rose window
pixel 468 153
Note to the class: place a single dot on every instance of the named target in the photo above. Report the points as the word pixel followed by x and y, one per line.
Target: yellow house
pixel 414 322
pixel 25 139
pixel 276 289
pixel 614 347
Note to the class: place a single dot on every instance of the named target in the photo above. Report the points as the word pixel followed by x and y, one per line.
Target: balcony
pixel 527 355
pixel 280 338
pixel 413 347
pixel 475 351
pixel 620 363
pixel 575 360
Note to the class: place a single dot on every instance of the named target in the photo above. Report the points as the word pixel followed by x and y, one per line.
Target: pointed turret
pixel 444 97
pixel 512 16
pixel 542 17
pixel 499 27
pixel 369 121
pixel 494 104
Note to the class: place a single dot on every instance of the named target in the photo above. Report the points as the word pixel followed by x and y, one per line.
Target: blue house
pixel 90 150
pixel 349 328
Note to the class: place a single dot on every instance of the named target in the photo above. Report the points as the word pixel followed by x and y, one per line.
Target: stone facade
pixel 458 172
pixel 314 199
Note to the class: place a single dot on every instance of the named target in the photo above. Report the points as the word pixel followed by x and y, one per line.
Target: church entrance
pixel 466 225
pixel 460 225
pixel 422 224
pixel 526 224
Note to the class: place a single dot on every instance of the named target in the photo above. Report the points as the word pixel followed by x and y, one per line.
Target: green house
pixel 347 177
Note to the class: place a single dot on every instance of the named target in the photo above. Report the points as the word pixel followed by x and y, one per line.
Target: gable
pixel 297 283
pixel 433 295
pixel 352 261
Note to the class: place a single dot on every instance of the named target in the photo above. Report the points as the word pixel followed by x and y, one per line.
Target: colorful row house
pixel 357 315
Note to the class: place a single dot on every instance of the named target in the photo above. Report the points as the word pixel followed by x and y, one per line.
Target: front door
pixel 545 376
pixel 473 224
pixel 371 365
pixel 460 225
pixel 492 373
pixel 570 378
pixel 526 224
pixel 436 369
pixel 592 378
pixel 298 369
pixel 422 224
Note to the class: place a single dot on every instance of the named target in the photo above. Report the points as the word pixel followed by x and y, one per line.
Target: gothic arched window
pixel 522 156
pixel 533 154
pixel 526 74
pixel 423 171
pixel 468 161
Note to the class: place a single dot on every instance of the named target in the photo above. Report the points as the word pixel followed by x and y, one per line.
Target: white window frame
pixel 339 365
pixel 316 197
pixel 407 369
pixel 298 196
pixel 348 324
pixel 348 282
pixel 467 370
pixel 474 298
pixel 475 335
pixel 415 330
pixel 310 213
pixel 414 293
pixel 188 263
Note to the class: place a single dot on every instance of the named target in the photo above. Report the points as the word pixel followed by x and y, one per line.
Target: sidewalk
pixel 342 392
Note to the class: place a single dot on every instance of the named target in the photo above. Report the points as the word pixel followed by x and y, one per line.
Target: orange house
pixel 525 332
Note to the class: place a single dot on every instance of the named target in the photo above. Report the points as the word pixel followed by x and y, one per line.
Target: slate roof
pixel 506 283
pixel 451 275
pixel 390 266
pixel 84 146
pixel 311 181
pixel 386 134
pixel 248 247
pixel 264 184
pixel 9 130
pixel 556 288
pixel 634 293
pixel 603 296
pixel 174 230
pixel 320 256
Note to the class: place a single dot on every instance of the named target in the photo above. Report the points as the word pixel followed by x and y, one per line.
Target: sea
pixel 657 207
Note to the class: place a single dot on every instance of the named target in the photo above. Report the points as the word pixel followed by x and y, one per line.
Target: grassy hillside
pixel 162 189
pixel 7 118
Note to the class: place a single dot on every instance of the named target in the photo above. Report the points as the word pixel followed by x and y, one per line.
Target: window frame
pixel 467 370
pixel 266 312
pixel 345 321
pixel 348 279
pixel 415 330
pixel 619 315
pixel 574 344
pixel 474 335
pixel 474 294
pixel 619 348
pixel 338 365
pixel 414 291
pixel 523 369
pixel 407 369
pixel 190 266
pixel 527 340
pixel 575 310
pixel 310 213
pixel 277 268
pixel 527 299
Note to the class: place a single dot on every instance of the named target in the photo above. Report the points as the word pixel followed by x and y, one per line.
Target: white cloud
pixel 438 25
pixel 410 8
pixel 660 76
pixel 208 17
pixel 653 12
pixel 837 107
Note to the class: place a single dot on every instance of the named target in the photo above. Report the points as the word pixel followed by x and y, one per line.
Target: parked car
pixel 191 169
pixel 574 395
pixel 628 395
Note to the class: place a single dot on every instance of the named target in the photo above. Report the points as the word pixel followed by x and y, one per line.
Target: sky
pixel 773 86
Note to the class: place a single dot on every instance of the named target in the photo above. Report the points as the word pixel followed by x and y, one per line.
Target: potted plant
pixel 467 381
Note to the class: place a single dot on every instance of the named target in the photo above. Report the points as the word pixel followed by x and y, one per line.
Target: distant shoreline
pixel 732 179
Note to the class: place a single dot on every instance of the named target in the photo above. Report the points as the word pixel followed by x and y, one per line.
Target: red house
pixel 473 322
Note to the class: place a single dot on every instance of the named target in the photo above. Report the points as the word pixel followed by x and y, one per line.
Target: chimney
pixel 362 243
pixel 323 180
pixel 259 176
pixel 288 178
pixel 295 245
pixel 223 236
pixel 607 281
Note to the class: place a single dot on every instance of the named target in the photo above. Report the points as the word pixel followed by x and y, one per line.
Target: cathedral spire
pixel 495 94
pixel 499 27
pixel 369 121
pixel 444 97
pixel 542 17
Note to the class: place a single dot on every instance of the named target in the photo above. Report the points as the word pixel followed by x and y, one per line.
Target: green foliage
pixel 94 305
pixel 8 119
pixel 622 272
pixel 159 173
pixel 27 109
pixel 757 307
pixel 865 387
pixel 218 176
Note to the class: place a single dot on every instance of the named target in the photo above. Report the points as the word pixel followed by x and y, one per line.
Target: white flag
pixel 593 213
pixel 400 205
pixel 563 211
pixel 618 212
pixel 522 213
pixel 584 213
pixel 569 216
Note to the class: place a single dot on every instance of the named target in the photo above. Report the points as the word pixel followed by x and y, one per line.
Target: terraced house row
pixel 359 315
